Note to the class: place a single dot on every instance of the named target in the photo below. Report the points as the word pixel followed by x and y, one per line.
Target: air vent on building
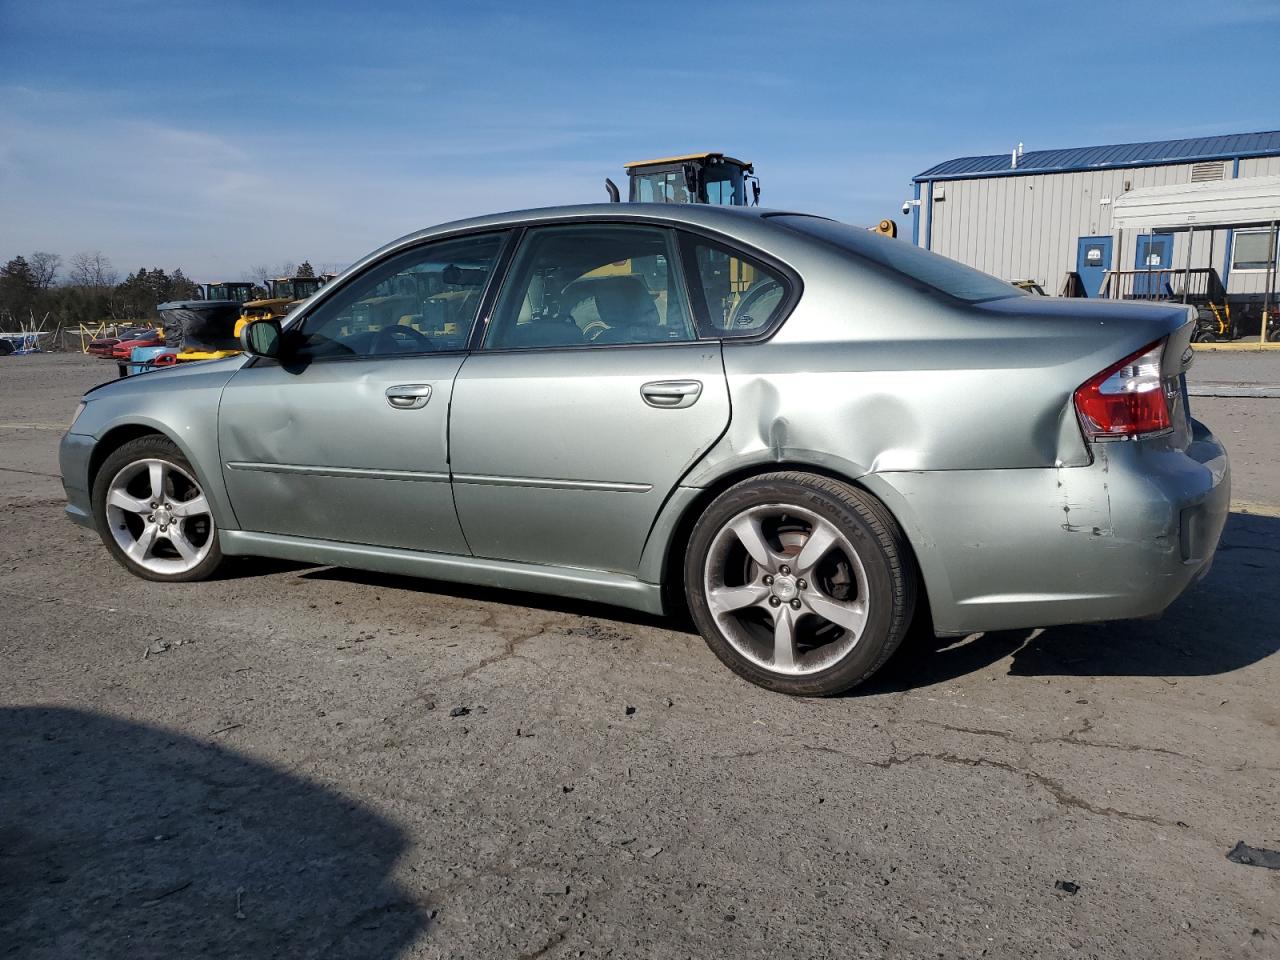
pixel 1207 171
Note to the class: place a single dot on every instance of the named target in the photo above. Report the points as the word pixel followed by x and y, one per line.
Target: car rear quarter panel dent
pixel 889 406
pixel 939 409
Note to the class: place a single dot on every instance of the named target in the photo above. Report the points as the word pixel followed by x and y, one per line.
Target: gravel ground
pixel 310 762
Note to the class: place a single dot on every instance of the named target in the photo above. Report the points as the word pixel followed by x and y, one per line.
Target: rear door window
pixel 592 285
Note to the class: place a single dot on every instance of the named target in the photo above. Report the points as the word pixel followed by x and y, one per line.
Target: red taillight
pixel 1127 399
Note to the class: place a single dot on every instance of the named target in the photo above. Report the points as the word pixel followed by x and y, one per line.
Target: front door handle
pixel 671 394
pixel 409 396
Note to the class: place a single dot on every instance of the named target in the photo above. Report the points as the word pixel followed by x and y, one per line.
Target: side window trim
pixel 497 286
pixel 792 285
pixel 503 275
pixel 501 261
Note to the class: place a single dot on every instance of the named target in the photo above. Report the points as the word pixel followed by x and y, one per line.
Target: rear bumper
pixel 1119 539
pixel 73 461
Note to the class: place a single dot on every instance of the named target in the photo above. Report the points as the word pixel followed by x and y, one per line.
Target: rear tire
pixel 799 583
pixel 150 509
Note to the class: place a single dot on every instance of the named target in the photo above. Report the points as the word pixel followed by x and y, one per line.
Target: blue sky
pixel 218 136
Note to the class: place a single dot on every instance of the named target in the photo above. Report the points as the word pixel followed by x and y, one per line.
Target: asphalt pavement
pixel 311 762
pixel 1248 374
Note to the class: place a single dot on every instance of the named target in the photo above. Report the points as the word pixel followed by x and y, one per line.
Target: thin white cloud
pixel 153 194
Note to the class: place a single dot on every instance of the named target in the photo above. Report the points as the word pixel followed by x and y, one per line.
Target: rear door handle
pixel 409 396
pixel 671 394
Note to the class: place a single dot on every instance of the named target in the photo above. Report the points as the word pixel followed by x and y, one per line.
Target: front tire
pixel 151 512
pixel 799 583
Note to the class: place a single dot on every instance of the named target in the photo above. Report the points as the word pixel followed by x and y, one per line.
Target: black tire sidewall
pixel 152 446
pixel 885 623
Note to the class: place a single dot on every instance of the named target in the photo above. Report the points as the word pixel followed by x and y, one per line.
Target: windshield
pixel 218 291
pixel 723 185
pixel 930 269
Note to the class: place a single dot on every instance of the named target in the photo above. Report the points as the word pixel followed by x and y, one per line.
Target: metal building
pixel 1175 219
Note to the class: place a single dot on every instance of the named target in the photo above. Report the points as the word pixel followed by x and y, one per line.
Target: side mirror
pixel 261 338
pixel 692 182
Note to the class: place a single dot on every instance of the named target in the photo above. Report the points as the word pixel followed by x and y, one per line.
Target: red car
pixel 104 346
pixel 124 348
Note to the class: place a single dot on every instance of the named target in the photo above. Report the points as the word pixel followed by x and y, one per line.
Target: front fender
pixel 182 406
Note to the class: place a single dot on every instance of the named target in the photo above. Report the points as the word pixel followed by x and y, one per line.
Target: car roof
pixel 741 222
pixel 691 213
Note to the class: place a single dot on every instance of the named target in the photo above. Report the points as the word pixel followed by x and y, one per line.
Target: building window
pixel 1252 250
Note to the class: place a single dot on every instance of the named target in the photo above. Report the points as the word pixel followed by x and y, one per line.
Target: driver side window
pixel 423 300
pixel 742 297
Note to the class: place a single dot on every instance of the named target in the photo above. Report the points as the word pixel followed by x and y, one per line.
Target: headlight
pixel 79 410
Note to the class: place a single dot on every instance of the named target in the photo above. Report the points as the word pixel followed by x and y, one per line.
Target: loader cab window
pixel 423 300
pixel 666 187
pixel 305 287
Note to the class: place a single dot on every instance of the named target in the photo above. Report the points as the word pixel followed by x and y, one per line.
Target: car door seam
pixel 653 524
pixel 448 451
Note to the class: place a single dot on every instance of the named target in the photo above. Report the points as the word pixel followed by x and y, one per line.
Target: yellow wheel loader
pixel 283 294
pixel 690 178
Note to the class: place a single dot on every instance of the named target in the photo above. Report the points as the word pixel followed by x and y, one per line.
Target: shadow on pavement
pixel 514 598
pixel 121 840
pixel 1225 622
pixel 246 568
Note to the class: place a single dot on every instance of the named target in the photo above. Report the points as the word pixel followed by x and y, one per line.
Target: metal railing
pixel 1182 285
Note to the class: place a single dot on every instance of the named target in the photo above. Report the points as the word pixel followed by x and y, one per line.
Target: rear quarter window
pixel 737 295
pixel 920 267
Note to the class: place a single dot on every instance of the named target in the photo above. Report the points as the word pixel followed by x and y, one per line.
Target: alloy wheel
pixel 787 589
pixel 159 517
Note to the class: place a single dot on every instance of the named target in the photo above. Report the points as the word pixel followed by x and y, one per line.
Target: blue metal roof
pixel 1116 155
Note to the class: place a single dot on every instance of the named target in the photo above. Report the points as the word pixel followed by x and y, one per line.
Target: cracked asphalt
pixel 273 763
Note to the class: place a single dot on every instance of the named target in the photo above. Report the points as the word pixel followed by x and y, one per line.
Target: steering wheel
pixel 741 316
pixel 395 338
pixel 594 329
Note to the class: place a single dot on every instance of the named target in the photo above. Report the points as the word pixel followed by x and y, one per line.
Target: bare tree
pixel 44 268
pixel 259 273
pixel 93 270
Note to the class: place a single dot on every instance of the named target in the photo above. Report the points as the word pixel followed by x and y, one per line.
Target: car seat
pixel 625 304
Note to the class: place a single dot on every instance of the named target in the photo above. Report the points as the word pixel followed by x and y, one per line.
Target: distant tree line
pixel 36 289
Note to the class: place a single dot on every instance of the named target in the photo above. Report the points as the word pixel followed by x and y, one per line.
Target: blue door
pixel 1154 254
pixel 1093 259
